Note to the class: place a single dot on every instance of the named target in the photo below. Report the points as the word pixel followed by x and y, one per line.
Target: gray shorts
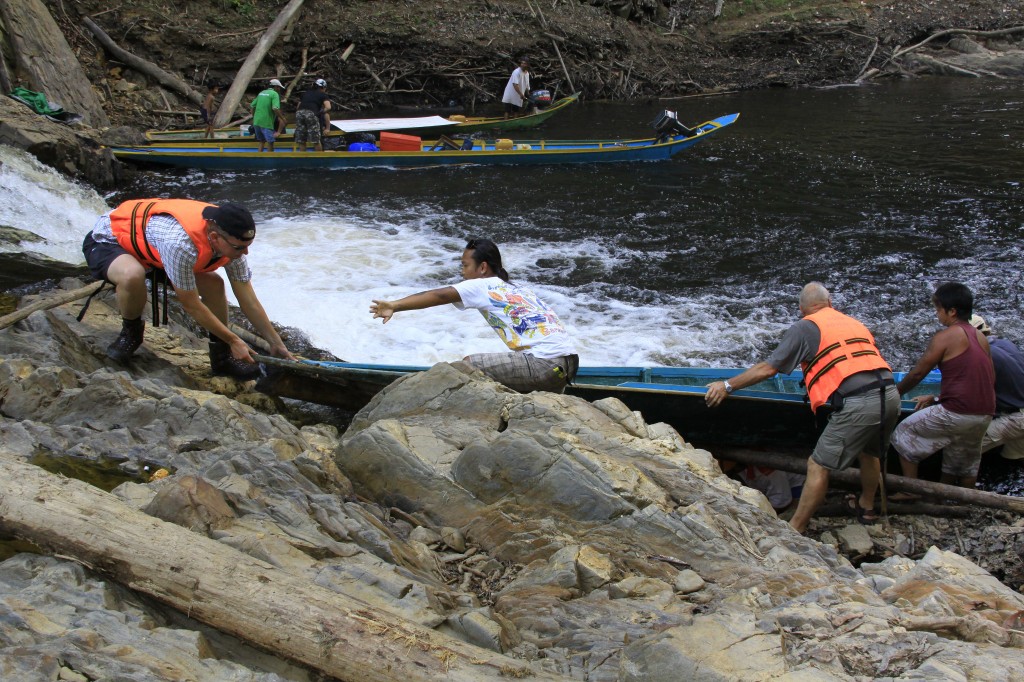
pixel 854 429
pixel 521 371
pixel 1006 430
pixel 935 428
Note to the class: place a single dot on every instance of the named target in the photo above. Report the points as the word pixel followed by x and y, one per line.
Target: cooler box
pixel 393 142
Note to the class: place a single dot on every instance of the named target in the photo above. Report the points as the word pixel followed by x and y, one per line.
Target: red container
pixel 393 142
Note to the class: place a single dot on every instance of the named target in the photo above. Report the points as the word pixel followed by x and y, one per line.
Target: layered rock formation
pixel 570 537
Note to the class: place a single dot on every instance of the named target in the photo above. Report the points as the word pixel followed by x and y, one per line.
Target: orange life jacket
pixel 128 223
pixel 846 348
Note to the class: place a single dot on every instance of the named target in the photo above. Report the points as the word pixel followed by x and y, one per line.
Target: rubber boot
pixel 224 363
pixel 128 341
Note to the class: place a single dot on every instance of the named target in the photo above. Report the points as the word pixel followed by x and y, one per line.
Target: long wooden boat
pixel 418 125
pixel 773 411
pixel 230 155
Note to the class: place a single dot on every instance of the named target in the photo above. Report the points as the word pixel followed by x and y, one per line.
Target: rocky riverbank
pixel 570 540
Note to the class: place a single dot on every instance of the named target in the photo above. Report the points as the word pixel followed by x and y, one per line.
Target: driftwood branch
pixel 233 97
pixel 142 66
pixel 290 615
pixel 958 31
pixel 554 41
pixel 867 63
pixel 851 477
pixel 49 302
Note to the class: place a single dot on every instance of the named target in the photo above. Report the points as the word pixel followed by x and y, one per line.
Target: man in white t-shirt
pixel 517 91
pixel 543 357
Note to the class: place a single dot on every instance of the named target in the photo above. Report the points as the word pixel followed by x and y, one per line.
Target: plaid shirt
pixel 177 252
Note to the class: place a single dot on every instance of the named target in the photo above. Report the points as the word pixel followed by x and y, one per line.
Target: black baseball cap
pixel 234 219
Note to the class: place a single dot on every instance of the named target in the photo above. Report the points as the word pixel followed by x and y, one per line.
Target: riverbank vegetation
pixel 432 53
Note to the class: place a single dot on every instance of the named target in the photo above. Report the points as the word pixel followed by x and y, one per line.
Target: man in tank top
pixel 1007 426
pixel 955 421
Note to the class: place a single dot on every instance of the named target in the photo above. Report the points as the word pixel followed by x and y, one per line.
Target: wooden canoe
pixel 241 155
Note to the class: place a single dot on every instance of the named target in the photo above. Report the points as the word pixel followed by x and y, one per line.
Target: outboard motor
pixel 667 124
pixel 540 98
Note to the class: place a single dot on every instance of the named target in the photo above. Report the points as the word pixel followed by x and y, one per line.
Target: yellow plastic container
pixel 503 144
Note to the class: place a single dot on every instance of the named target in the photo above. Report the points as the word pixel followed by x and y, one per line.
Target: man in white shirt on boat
pixel 517 90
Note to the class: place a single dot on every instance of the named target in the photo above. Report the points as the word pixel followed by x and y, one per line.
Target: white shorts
pixel 935 428
pixel 1006 430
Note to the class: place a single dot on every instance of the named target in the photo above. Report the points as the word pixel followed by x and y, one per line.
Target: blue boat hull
pixel 774 412
pixel 540 152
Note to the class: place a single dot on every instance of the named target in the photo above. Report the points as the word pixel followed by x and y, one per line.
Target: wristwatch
pixel 728 386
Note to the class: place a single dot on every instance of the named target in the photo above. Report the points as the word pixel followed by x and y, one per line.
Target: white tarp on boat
pixel 364 125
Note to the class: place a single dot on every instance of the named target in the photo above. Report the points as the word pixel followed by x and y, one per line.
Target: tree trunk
pixel 231 591
pixel 234 95
pixel 851 477
pixel 142 66
pixel 45 60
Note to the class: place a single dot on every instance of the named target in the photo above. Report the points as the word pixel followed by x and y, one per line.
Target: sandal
pixel 865 517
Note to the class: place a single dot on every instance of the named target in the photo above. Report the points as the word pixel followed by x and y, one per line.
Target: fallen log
pixel 233 592
pixel 49 302
pixel 142 66
pixel 233 97
pixel 904 509
pixel 851 477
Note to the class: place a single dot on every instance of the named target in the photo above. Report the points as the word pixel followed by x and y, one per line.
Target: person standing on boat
pixel 956 420
pixel 517 90
pixel 543 357
pixel 266 110
pixel 845 375
pixel 1007 426
pixel 188 240
pixel 206 111
pixel 312 117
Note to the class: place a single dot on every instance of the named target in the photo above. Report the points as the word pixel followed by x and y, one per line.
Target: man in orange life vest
pixel 188 240
pixel 844 370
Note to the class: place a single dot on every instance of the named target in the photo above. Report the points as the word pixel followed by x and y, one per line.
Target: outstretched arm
pixel 716 392
pixel 424 299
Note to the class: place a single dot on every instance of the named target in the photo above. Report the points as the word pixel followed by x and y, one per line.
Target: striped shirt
pixel 177 252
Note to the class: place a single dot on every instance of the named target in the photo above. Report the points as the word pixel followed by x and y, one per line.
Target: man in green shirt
pixel 266 109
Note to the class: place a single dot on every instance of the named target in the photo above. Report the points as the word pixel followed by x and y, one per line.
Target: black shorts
pixel 99 256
